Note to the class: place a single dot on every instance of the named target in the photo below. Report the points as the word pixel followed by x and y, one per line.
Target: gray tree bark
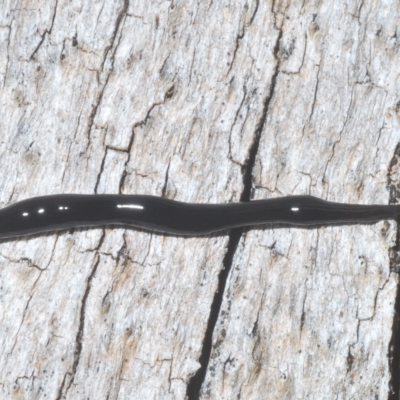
pixel 200 102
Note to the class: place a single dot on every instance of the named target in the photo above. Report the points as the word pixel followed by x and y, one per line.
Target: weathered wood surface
pixel 195 101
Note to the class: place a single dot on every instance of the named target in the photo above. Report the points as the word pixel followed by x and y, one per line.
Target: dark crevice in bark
pixel 196 382
pixel 394 344
pixel 125 173
pixel 67 383
pixel 130 145
pixel 46 32
pixel 99 98
pixel 254 13
pixel 164 189
pixel 394 350
pixel 249 165
pixel 240 36
pixel 117 25
pixel 394 255
pixel 101 171
pixel 94 110
pixel 60 391
pixel 79 335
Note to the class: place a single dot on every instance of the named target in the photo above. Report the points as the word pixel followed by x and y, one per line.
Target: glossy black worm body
pixel 51 213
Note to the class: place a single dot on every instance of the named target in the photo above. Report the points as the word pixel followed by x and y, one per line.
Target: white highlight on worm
pixel 130 206
pixel 25 214
pixel 295 208
pixel 41 211
pixel 62 208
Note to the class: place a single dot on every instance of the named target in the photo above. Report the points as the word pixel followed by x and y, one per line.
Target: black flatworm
pixel 51 213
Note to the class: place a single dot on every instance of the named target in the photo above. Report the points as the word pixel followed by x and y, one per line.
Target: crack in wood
pixel 240 36
pixel 79 336
pixel 394 257
pixel 46 32
pixel 131 140
pixel 107 50
pixel 118 22
pixel 24 314
pixel 195 384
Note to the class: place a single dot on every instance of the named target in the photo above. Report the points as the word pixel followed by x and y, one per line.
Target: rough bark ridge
pixel 203 102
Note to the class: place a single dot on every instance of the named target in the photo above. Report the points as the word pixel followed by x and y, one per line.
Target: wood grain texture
pixel 199 102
